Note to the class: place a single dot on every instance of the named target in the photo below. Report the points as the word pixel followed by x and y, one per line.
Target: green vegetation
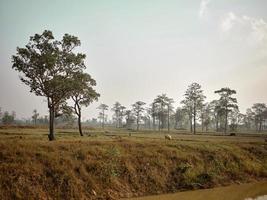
pixel 111 165
pixel 52 69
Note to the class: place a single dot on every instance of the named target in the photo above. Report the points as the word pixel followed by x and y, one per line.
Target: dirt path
pixel 234 192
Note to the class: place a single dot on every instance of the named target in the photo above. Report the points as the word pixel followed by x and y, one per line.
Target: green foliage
pixel 102 107
pixel 227 103
pixel 82 94
pixel 162 109
pixel 118 113
pixel 260 112
pixel 138 109
pixel 53 70
pixel 193 102
pixel 35 116
pixel 8 118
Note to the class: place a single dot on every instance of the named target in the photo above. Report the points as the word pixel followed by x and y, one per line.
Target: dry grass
pixel 113 165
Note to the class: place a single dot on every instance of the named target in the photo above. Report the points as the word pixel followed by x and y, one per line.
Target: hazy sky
pixel 137 49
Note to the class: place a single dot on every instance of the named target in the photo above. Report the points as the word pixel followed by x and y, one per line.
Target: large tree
pixel 193 101
pixel 46 65
pixel 138 109
pixel 227 103
pixel 83 94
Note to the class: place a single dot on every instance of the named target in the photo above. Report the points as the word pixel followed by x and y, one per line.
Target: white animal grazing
pixel 168 137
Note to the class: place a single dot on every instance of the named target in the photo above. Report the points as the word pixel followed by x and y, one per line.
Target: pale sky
pixel 137 49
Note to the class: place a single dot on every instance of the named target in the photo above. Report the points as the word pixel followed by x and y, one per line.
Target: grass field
pixel 109 164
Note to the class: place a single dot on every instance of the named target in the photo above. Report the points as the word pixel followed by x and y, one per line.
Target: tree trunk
pixel 137 123
pixel 51 135
pixel 217 123
pixel 149 123
pixel 190 120
pixel 202 123
pixel 168 118
pixel 103 121
pixel 191 124
pixel 260 128
pixel 153 122
pixel 159 123
pixel 226 121
pixel 80 124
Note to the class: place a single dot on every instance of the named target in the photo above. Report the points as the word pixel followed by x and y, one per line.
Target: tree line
pixel 7 118
pixel 53 69
pixel 221 115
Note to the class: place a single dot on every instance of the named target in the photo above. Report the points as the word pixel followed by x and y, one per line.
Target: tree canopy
pixel 48 67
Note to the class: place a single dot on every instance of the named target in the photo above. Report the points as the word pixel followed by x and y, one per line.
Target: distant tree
pixel 8 118
pixel 116 109
pixel 180 117
pixel 102 107
pixel 129 118
pixel 35 116
pixel 205 116
pixel 169 102
pixel 94 121
pixel 163 106
pixel 118 113
pixel 152 111
pixel 146 120
pixel 122 113
pixel 67 119
pixel 194 98
pixel 259 109
pixel 148 116
pixel 138 109
pixel 235 119
pixel 47 66
pixel 227 103
pixel 187 106
pixel 215 110
pixel 249 118
pixel 82 94
pixel 1 114
pixel 43 120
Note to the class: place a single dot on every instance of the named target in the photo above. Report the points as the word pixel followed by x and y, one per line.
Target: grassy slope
pixel 75 168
